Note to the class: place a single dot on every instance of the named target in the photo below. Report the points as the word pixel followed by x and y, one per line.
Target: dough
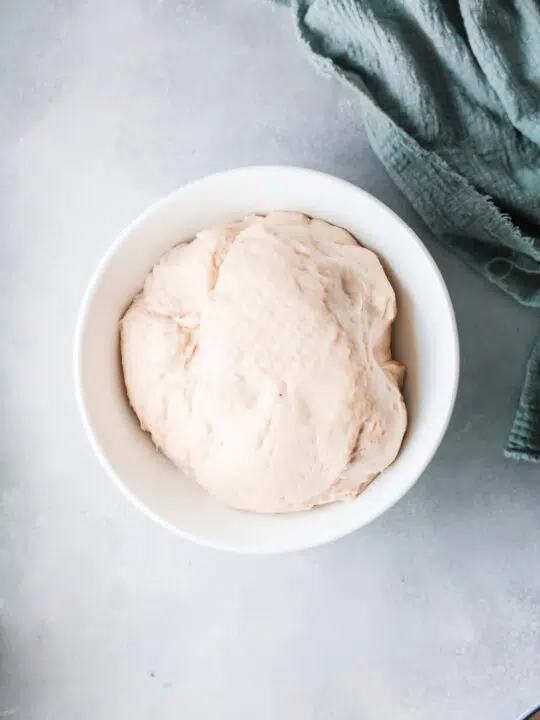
pixel 258 358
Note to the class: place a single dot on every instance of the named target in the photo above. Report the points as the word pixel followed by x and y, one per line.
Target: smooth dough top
pixel 258 357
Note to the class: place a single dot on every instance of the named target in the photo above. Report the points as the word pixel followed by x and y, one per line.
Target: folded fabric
pixel 449 92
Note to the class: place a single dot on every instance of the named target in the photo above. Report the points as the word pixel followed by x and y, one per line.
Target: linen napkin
pixel 449 92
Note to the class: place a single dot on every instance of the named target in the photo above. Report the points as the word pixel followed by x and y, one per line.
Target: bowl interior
pixel 425 340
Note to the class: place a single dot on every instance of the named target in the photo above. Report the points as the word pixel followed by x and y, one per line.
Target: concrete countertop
pixel 431 611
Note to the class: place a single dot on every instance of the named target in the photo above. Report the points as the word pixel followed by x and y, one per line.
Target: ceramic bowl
pixel 425 340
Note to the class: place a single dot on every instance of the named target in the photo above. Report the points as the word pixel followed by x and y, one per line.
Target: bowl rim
pixel 82 317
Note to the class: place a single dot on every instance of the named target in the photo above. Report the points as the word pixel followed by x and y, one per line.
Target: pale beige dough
pixel 258 358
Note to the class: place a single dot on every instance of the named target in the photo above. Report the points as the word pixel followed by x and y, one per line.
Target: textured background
pixel 432 611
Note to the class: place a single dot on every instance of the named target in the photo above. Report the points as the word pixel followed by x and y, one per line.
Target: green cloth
pixel 449 92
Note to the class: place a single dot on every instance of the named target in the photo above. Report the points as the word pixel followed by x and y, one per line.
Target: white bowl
pixel 425 339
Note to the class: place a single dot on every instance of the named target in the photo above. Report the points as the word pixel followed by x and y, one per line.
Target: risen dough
pixel 258 357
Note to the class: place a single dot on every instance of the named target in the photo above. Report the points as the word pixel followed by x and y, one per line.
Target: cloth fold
pixel 449 92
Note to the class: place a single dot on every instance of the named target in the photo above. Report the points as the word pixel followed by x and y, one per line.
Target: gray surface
pixel 432 611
